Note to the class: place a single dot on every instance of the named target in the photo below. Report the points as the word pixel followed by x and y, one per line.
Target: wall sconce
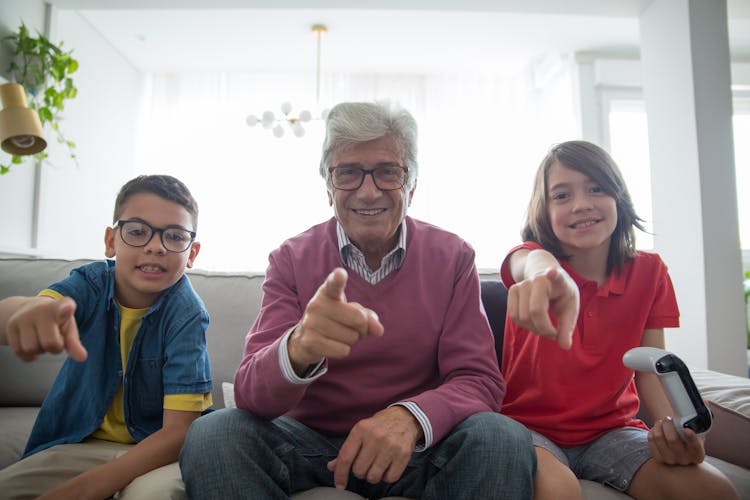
pixel 20 128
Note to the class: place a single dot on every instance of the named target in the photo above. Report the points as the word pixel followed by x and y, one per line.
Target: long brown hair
pixel 594 162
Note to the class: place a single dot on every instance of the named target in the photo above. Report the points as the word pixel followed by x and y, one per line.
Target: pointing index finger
pixel 335 284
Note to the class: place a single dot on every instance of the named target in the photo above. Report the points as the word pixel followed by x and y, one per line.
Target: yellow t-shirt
pixel 113 426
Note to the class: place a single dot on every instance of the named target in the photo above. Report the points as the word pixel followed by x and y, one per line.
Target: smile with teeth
pixel 368 211
pixel 150 268
pixel 584 224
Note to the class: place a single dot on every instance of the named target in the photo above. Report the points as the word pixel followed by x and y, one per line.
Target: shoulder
pixel 646 261
pixel 420 231
pixel 95 275
pixel 313 236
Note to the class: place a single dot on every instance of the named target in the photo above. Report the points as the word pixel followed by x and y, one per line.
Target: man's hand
pixel 530 301
pixel 377 448
pixel 667 447
pixel 330 325
pixel 43 325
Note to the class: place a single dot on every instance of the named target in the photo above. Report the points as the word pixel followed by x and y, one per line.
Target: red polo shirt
pixel 572 397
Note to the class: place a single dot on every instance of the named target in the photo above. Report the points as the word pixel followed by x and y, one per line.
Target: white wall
pixel 693 180
pixel 17 186
pixel 76 201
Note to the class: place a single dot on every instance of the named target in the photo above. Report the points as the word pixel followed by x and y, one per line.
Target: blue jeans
pixel 232 454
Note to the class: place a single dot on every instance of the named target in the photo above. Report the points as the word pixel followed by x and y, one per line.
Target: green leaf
pixel 45 114
pixel 4 169
pixel 42 68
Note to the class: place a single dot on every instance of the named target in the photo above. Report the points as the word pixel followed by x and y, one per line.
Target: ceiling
pixel 385 36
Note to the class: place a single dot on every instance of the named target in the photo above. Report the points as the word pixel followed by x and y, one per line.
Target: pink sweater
pixel 437 350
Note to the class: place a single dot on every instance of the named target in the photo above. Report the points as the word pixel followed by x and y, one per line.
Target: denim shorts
pixel 611 459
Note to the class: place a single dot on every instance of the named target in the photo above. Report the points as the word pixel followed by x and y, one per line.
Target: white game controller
pixel 687 404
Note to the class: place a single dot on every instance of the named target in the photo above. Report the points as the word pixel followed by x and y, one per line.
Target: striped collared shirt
pixel 355 259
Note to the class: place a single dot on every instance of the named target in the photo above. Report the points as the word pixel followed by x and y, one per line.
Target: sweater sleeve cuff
pixel 424 422
pixel 313 373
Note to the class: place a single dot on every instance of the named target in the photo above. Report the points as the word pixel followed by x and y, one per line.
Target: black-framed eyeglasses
pixel 386 176
pixel 138 233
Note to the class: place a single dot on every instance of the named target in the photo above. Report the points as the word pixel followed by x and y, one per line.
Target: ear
pixel 330 198
pixel 193 253
pixel 411 193
pixel 109 242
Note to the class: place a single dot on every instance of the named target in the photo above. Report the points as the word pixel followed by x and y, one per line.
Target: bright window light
pixel 481 139
pixel 628 135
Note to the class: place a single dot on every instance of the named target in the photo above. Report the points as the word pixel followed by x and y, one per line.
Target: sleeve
pixel 188 402
pixel 52 294
pixel 471 379
pixel 505 267
pixel 664 310
pixel 187 369
pixel 260 385
pixel 85 285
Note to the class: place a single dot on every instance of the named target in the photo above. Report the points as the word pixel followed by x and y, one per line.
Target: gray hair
pixel 349 123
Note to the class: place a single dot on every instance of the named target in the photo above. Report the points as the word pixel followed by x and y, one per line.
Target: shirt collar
pixel 345 244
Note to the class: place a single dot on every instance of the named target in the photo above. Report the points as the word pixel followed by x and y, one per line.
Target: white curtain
pixel 481 139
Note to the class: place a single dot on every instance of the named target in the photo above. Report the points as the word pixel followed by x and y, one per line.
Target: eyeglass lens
pixel 138 234
pixel 387 177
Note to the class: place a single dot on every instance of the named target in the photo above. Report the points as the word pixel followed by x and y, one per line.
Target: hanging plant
pixel 43 69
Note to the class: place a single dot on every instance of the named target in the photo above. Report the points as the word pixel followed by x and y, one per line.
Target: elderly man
pixel 371 364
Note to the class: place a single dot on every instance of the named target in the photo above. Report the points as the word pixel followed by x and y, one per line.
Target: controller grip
pixel 643 359
pixel 688 406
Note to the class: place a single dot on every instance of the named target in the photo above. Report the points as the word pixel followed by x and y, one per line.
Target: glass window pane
pixel 628 132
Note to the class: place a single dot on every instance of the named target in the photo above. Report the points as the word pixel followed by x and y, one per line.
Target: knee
pixel 215 432
pixel 499 436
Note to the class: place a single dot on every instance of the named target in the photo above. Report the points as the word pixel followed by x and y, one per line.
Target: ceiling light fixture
pixel 276 123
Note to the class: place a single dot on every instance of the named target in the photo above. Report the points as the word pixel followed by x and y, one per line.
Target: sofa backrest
pixel 232 300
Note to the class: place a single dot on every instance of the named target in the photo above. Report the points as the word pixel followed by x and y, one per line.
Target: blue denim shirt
pixel 168 356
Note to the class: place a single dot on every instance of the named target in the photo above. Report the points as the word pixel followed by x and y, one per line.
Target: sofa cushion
pixel 15 427
pixel 232 301
pixel 728 398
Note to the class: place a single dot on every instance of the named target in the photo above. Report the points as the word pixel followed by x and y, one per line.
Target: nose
pixel 155 245
pixel 581 203
pixel 368 187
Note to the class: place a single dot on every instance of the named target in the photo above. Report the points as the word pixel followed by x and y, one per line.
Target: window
pixel 481 139
pixel 627 134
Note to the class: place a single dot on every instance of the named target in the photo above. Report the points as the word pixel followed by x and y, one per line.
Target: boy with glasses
pixel 138 372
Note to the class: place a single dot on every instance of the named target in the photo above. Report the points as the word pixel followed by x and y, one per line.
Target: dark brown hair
pixel 163 186
pixel 594 162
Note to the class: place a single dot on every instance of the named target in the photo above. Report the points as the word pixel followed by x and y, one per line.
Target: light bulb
pixel 305 116
pixel 298 129
pixel 268 119
pixel 286 107
pixel 23 141
pixel 252 120
pixel 278 131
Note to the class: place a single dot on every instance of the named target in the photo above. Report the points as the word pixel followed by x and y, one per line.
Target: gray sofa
pixel 233 301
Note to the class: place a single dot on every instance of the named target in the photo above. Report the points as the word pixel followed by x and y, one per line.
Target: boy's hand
pixel 667 447
pixel 45 325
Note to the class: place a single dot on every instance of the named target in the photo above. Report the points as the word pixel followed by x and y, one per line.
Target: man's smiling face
pixel 370 217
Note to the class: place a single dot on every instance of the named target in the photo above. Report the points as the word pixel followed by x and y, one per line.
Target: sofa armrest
pixel 728 398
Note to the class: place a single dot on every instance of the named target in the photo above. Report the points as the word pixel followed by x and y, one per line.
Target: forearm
pixel 527 263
